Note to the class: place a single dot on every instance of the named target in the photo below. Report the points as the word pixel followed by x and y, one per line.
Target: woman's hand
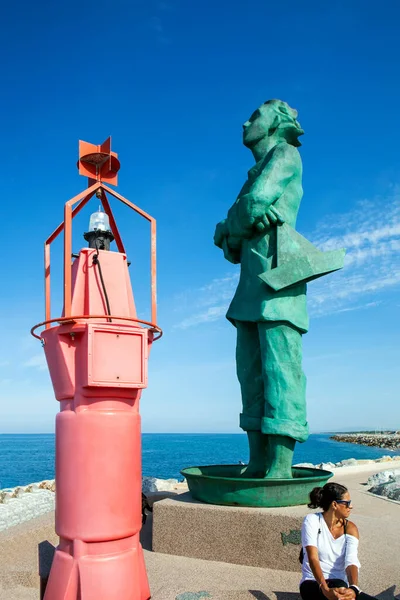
pixel 336 593
pixel 348 594
pixel 330 593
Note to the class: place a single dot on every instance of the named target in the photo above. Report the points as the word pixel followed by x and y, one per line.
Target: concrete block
pixel 259 537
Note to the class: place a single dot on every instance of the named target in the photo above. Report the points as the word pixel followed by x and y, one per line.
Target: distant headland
pixel 382 439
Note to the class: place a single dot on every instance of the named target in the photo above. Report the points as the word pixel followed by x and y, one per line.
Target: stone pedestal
pixel 258 537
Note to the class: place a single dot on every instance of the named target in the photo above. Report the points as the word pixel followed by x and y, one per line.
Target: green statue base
pixel 224 484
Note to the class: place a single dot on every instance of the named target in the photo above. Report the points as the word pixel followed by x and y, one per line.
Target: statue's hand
pixel 270 218
pixel 255 213
pixel 221 232
pixel 234 242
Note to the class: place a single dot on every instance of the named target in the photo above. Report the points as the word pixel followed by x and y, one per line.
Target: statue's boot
pixel 280 456
pixel 257 467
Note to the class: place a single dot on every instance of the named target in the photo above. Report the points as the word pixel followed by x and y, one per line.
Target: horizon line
pixel 355 430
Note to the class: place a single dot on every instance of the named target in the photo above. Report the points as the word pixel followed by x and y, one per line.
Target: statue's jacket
pixel 275 180
pixel 276 261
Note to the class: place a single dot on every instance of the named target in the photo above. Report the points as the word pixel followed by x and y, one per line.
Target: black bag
pixel 145 507
pixel 301 555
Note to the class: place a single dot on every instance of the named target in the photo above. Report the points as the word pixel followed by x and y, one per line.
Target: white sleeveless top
pixel 334 555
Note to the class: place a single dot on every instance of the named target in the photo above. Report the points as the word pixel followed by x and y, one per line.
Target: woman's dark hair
pixel 322 497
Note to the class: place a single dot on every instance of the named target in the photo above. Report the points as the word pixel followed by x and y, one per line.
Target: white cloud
pixel 214 313
pixel 371 235
pixel 156 25
pixel 212 301
pixel 38 362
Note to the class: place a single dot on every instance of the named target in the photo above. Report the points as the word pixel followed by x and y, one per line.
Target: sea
pixel 28 458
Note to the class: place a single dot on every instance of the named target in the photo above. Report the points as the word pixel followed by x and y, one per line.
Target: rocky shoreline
pixel 391 441
pixel 26 502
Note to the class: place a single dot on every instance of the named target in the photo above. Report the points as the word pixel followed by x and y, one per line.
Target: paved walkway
pixel 181 578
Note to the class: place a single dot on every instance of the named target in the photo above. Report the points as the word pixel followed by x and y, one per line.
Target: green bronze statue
pixel 269 308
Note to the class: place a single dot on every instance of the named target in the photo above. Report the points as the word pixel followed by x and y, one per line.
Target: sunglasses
pixel 346 502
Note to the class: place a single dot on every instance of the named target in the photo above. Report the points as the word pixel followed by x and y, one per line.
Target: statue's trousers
pixel 273 385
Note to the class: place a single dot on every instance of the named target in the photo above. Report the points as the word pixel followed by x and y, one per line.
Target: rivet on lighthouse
pixel 97 354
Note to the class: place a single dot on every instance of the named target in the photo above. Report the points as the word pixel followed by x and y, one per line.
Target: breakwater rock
pixel 386 483
pixel 23 503
pixel 349 462
pixel 153 484
pixel 391 441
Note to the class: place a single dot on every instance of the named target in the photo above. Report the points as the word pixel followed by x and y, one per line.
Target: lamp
pixel 99 234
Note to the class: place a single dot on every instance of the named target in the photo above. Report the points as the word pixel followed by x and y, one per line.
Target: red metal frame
pixel 153 247
pixel 95 186
pixel 77 318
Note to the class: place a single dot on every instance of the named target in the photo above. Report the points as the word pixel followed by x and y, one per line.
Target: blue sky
pixel 172 82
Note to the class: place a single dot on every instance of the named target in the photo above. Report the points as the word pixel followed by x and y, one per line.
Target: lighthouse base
pixel 113 570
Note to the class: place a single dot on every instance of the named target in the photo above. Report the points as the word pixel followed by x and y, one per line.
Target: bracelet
pixel 355 589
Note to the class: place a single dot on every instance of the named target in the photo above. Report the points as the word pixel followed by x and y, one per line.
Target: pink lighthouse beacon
pixel 97 354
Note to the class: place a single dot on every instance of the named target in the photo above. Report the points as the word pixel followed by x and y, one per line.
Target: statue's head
pixel 276 118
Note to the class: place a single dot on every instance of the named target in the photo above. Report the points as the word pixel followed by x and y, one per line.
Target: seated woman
pixel 329 547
